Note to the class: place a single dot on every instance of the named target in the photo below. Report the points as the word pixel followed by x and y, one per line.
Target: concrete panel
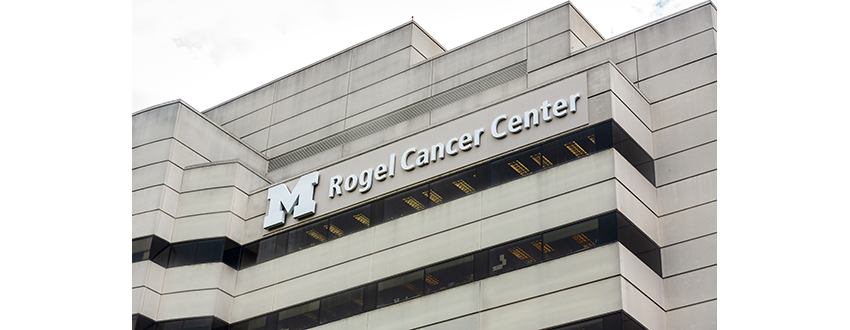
pixel 307 122
pixel 617 50
pixel 243 105
pixel 415 57
pixel 632 125
pixel 257 204
pixel 689 255
pixel 165 150
pixel 641 308
pixel 598 78
pixel 427 309
pixel 303 166
pixel 420 224
pixel 637 213
pixel 258 140
pixel 155 174
pixel 324 282
pixel 466 322
pixel 155 124
pixel 212 200
pixel 543 185
pixel 252 304
pixel 443 246
pixel 681 79
pixel 382 46
pixel 575 43
pixel 211 176
pixel 223 305
pixel 153 223
pixel 685 135
pixel 478 72
pixel 220 114
pixel 250 123
pixel 471 55
pixel 424 44
pixel 148 274
pixel 677 54
pixel 684 106
pixel 688 224
pixel 388 89
pixel 697 317
pixel 641 276
pixel 189 304
pixel 384 136
pixel 686 163
pixel 380 69
pixel 635 183
pixel 689 288
pixel 675 28
pixel 582 29
pixel 303 140
pixel 386 108
pixel 182 156
pixel 203 137
pixel 551 23
pixel 203 226
pixel 630 96
pixel 193 277
pixel 252 230
pixel 145 302
pixel 529 282
pixel 548 51
pixel 476 101
pixel 629 68
pixel 599 108
pixel 687 193
pixel 311 76
pixel 547 214
pixel 154 198
pixel 299 263
pixel 558 308
pixel 357 322
pixel 309 98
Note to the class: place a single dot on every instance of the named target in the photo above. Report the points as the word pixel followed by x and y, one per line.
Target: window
pixel 515 255
pixel 448 274
pixel 341 305
pixel 400 288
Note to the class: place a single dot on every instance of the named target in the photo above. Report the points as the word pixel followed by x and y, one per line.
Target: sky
pixel 207 52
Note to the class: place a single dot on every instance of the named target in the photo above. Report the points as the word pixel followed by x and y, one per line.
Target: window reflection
pixel 515 255
pixel 400 288
pixel 351 222
pixel 307 236
pixel 571 239
pixel 299 317
pixel 407 202
pixel 341 305
pixel 448 274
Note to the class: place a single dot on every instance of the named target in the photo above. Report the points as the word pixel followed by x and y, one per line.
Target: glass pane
pixel 173 325
pixel 141 248
pixel 267 247
pixel 639 244
pixel 448 274
pixel 515 166
pixel 453 187
pixel 515 255
pixel 182 254
pixel 231 254
pixel 633 153
pixel 300 317
pixel 252 324
pixel 249 255
pixel 341 305
pixel 400 288
pixel 209 251
pixel 198 324
pixel 349 222
pixel 281 241
pixel 570 239
pixel 307 236
pixel 406 202
pixel 595 324
pixel 630 324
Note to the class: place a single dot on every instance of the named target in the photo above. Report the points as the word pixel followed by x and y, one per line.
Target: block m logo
pixel 299 203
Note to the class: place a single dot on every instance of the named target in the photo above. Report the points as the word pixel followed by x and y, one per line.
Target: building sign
pixel 522 120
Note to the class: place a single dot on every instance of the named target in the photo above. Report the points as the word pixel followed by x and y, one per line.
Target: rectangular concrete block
pixel 145 302
pixel 148 274
pixel 420 224
pixel 388 89
pixel 424 44
pixel 480 51
pixel 629 68
pixel 688 224
pixel 311 76
pixel 381 68
pixel 307 122
pixel 258 140
pixel 321 283
pixel 250 123
pixel 697 317
pixel 415 313
pixel 192 277
pixel 301 167
pixel 686 164
pixel 631 124
pixel 182 156
pixel 631 97
pixel 641 308
pixel 638 213
pixel 151 153
pixel 154 198
pixel 687 193
pixel 252 304
pixel 684 106
pixel 305 139
pixel 155 174
pixel 690 288
pixel 246 104
pixel 465 322
pixel 582 29
pixel 206 139
pixel 685 135
pixel 356 322
pixel 432 249
pixel 475 102
pixel 680 80
pixel 677 54
pixel 478 72
pixel 548 51
pixel 640 276
pixel 381 46
pixel 387 108
pixel 310 98
pixel 674 28
pixel 189 304
pixel 617 50
pixel 228 199
pixel 690 255
pixel 635 182
pixel 153 223
pixel 204 226
pixel 552 22
pixel 389 134
pixel 155 124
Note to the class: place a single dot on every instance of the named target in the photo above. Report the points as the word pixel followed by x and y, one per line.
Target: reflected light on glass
pixel 546 248
pixel 431 280
pixel 414 203
pixel 592 138
pixel 520 254
pixel 335 230
pixel 434 196
pixel 362 218
pixel 541 160
pixel 465 187
pixel 413 288
pixel 519 168
pixel 583 240
pixel 575 149
pixel 314 234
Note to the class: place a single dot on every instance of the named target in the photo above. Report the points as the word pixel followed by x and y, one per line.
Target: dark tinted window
pixel 299 317
pixel 515 166
pixel 453 187
pixel 448 274
pixel 252 324
pixel 141 248
pixel 209 251
pixel 633 153
pixel 249 255
pixel 350 222
pixel 570 239
pixel 266 250
pixel 515 255
pixel 639 244
pixel 341 305
pixel 406 202
pixel 400 288
pixel 231 254
pixel 307 236
pixel 198 324
pixel 182 254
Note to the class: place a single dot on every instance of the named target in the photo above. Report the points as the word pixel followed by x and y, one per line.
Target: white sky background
pixel 207 52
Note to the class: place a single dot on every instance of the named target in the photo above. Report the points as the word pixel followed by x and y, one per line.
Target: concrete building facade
pixel 539 177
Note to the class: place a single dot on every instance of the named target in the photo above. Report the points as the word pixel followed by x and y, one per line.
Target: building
pixel 539 177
